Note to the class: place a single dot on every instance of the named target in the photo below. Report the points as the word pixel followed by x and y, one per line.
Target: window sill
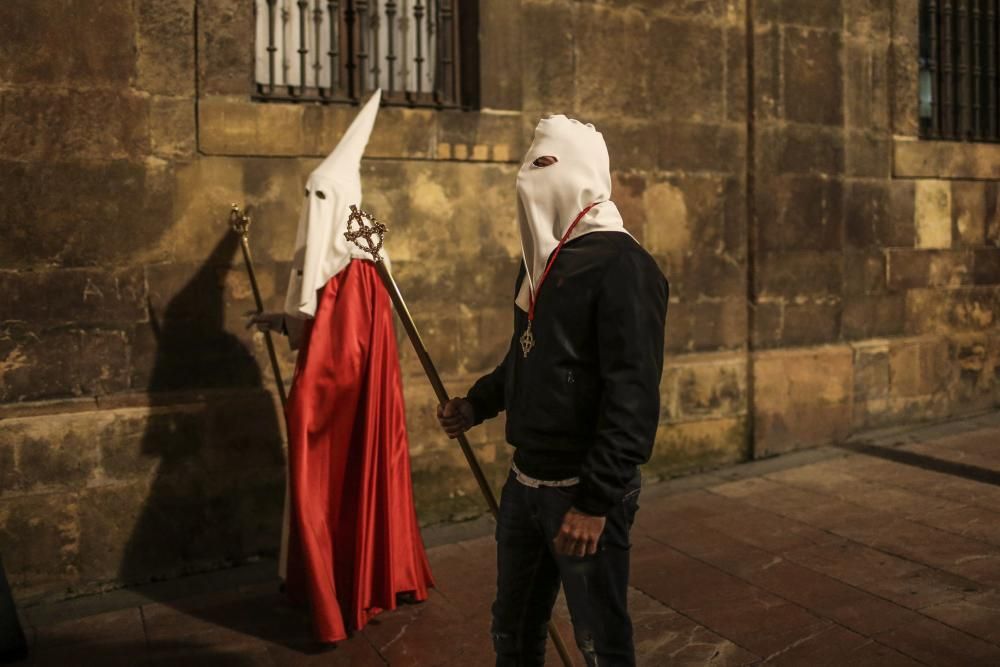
pixel 240 127
pixel 923 158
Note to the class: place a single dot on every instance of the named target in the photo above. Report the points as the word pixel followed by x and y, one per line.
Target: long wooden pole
pixel 442 394
pixel 240 222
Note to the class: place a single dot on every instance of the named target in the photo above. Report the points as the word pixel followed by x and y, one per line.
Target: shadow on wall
pixel 216 495
pixel 218 491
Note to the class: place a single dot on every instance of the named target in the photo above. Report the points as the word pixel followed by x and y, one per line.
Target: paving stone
pixel 665 637
pixel 906 583
pixel 834 645
pixel 749 616
pixel 977 614
pixel 116 626
pixel 933 643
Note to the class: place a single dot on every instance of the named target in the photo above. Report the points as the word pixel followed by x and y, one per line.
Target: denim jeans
pixel 529 573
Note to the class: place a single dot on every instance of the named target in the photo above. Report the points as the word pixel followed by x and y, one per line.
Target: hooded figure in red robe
pixel 352 541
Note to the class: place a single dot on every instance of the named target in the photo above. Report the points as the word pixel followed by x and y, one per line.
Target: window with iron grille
pixel 959 63
pixel 340 51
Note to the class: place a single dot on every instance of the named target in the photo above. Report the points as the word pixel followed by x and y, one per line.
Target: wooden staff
pixel 240 222
pixel 373 248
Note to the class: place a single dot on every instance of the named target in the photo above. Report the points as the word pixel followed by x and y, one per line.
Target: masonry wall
pixel 829 272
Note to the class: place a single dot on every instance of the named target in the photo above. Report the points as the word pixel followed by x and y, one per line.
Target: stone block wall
pixel 829 271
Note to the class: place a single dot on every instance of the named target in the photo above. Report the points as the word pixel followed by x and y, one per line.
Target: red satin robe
pixel 354 542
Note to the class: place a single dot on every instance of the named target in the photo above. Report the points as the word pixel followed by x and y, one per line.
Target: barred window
pixel 959 62
pixel 339 51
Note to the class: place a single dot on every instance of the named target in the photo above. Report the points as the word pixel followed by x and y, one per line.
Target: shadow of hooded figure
pixel 217 493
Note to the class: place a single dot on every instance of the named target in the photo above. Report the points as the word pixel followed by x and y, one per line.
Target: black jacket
pixel 586 400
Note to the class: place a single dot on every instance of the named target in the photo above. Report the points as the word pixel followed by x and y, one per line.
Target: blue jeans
pixel 529 573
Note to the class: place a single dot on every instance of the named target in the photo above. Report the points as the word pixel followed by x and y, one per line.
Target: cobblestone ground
pixel 883 552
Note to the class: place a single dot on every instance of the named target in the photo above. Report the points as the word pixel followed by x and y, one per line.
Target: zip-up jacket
pixel 585 401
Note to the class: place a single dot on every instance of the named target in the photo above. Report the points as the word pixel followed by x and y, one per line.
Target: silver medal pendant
pixel 527 340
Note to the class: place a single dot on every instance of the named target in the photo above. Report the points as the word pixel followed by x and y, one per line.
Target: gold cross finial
pixel 239 220
pixel 366 232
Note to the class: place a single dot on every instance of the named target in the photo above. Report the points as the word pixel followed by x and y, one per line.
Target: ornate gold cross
pixel 366 232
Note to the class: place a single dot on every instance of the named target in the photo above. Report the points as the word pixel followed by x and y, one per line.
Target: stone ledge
pixel 923 158
pixel 237 126
pixel 106 402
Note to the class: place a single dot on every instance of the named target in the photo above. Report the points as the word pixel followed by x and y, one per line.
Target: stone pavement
pixel 883 552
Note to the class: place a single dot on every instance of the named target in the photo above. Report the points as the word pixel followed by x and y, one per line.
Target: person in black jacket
pixel 13 646
pixel 580 387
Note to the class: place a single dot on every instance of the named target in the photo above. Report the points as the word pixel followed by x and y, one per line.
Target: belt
pixel 535 483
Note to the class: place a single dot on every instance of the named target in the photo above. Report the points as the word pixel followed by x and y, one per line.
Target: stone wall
pixel 829 271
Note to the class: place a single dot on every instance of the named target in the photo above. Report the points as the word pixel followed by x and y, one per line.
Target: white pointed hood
pixel 550 198
pixel 321 251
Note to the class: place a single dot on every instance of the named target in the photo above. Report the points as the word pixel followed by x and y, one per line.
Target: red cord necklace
pixel 528 338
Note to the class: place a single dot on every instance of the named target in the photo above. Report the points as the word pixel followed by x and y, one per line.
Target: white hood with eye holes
pixel 321 251
pixel 550 198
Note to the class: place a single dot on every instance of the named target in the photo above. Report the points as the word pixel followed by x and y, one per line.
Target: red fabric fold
pixel 354 541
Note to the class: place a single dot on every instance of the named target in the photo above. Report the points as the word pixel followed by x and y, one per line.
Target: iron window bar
pixel 339 51
pixel 959 63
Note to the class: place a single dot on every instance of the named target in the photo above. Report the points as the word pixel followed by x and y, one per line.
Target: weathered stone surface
pixel 873 316
pixel 699 445
pixel 868 155
pixel 84 297
pixel 968 212
pixel 800 149
pixel 79 56
pixel 51 453
pixel 688 85
pixel 547 56
pixel 800 273
pixel 871 371
pixel 904 67
pixel 800 212
pixel 768 94
pixel 172 127
pixel 864 273
pixel 500 46
pixel 703 387
pixel 225 48
pixel 76 224
pixel 814 83
pixel 867 213
pixel 40 541
pixel 100 125
pixel 604 72
pixel 706 325
pixel 827 14
pixel 67 361
pixel 696 147
pixel 913 158
pixel 802 397
pixel 986 266
pixel 918 367
pixel 866 88
pixel 928 268
pixel 165 42
pixel 957 309
pixel 933 214
pixel 811 323
pixel 901 225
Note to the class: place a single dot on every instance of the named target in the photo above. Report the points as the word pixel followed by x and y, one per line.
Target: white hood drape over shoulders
pixel 550 198
pixel 321 251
